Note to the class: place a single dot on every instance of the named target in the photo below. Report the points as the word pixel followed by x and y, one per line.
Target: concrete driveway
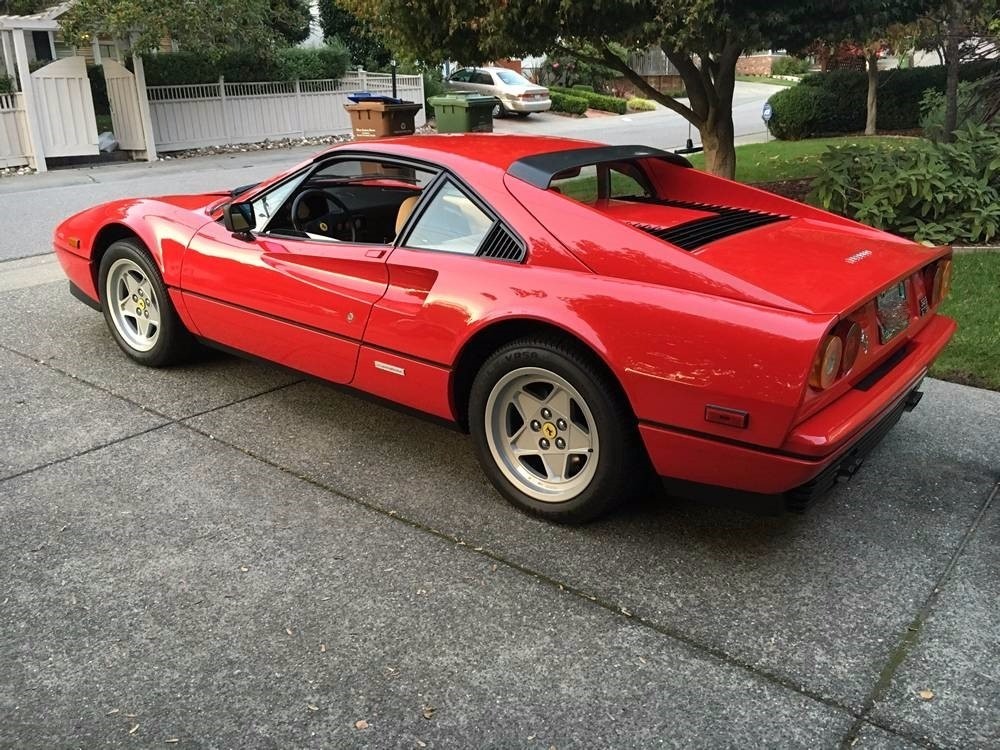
pixel 229 555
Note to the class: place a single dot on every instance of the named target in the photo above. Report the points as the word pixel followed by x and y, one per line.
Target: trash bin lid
pixel 367 96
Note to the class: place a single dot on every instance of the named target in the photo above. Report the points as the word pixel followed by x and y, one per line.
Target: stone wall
pixel 755 65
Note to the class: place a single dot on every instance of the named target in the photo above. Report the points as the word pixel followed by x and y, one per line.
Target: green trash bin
pixel 463 112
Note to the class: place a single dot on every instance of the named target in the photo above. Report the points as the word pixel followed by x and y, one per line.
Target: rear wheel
pixel 552 432
pixel 137 308
pixel 499 111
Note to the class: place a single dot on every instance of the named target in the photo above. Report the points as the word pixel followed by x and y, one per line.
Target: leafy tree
pixel 208 27
pixel 702 38
pixel 358 35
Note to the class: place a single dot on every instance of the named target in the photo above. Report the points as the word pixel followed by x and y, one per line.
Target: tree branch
pixel 609 59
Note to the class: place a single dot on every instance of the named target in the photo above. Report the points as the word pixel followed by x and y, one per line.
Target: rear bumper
pixel 537 105
pixel 828 445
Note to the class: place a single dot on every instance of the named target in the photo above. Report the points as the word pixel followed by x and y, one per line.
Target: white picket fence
pixel 14 143
pixel 212 114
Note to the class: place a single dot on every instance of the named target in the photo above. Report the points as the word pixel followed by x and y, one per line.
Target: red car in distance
pixel 588 313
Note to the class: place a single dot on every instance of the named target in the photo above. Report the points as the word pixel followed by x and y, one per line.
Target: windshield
pixel 512 79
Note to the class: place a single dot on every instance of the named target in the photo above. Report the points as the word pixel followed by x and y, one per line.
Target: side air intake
pixel 502 245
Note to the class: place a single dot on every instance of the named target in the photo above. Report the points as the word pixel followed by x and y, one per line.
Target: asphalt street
pixel 228 555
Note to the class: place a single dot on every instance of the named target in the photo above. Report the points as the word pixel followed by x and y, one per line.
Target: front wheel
pixel 553 433
pixel 499 111
pixel 138 309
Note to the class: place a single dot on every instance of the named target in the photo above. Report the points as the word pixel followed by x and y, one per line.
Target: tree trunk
pixel 952 59
pixel 872 59
pixel 720 151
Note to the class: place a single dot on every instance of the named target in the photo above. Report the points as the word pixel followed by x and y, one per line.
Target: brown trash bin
pixel 380 119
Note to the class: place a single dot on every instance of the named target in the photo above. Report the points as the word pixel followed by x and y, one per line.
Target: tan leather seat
pixel 405 209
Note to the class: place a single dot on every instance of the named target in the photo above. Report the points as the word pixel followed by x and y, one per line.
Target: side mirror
pixel 239 218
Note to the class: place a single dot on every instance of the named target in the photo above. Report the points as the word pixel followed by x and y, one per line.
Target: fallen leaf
pixel 361 724
pixel 112 712
pixel 925 694
pixel 420 743
pixel 313 708
pixel 244 568
pixel 322 648
pixel 134 729
pixel 172 740
pixel 429 712
pixel 288 630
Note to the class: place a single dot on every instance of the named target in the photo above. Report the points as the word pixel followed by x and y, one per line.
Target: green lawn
pixel 766 79
pixel 973 356
pixel 785 160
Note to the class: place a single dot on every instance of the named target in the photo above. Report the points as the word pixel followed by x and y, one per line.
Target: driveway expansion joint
pixel 913 630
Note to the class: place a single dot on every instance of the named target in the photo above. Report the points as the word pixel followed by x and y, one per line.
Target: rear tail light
pixel 850 332
pixel 937 279
pixel 827 365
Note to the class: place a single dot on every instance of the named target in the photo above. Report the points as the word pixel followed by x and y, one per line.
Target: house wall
pixel 756 65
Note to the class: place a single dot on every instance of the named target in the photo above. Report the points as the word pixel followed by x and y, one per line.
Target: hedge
pixel 6 85
pixel 596 101
pixel 574 105
pixel 836 102
pixel 789 66
pixel 240 66
pixel 934 192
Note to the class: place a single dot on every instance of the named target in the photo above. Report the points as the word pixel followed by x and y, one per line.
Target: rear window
pixel 513 79
pixel 602 181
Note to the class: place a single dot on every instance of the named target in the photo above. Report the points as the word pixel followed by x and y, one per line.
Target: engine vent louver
pixel 693 234
pixel 502 245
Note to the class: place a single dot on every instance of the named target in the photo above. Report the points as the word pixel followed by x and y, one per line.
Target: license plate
pixel 893 312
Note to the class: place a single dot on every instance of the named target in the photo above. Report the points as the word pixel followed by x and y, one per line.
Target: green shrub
pixel 637 104
pixel 802 112
pixel 309 64
pixel 789 66
pixel 240 66
pixel 99 89
pixel 6 85
pixel 583 87
pixel 597 101
pixel 972 107
pixel 937 192
pixel 573 105
pixel 843 108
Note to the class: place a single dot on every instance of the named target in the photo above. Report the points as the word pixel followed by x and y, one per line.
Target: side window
pixel 461 76
pixel 481 76
pixel 627 181
pixel 452 222
pixel 267 205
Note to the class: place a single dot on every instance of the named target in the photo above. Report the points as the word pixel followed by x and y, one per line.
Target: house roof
pixel 43 20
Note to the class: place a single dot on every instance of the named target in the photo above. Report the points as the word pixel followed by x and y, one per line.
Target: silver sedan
pixel 516 94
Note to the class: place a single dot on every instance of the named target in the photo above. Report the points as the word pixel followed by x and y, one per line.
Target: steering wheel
pixel 330 200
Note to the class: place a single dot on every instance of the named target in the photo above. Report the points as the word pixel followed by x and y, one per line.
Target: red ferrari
pixel 586 312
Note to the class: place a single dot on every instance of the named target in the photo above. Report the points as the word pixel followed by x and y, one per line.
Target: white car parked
pixel 517 95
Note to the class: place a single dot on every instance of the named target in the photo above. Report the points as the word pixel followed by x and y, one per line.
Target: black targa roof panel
pixel 539 169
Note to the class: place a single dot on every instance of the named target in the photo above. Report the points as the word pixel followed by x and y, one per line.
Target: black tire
pixel 622 467
pixel 499 111
pixel 173 343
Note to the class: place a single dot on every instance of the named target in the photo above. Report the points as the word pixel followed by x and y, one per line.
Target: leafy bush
pixel 637 104
pixel 99 89
pixel 309 64
pixel 6 85
pixel 565 71
pixel 583 87
pixel 802 112
pixel 845 94
pixel 972 107
pixel 573 105
pixel 240 66
pixel 433 86
pixel 789 66
pixel 596 101
pixel 938 192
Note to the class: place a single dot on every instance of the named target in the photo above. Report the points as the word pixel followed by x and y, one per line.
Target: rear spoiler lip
pixel 539 169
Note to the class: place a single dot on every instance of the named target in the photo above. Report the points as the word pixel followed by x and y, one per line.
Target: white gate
pixel 65 108
pixel 126 117
pixel 14 143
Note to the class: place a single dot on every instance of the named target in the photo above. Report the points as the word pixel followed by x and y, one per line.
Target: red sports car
pixel 586 312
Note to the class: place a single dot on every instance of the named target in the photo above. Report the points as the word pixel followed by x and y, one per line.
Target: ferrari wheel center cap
pixel 549 430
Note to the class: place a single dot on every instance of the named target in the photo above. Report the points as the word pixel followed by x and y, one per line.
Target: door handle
pixel 374 253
